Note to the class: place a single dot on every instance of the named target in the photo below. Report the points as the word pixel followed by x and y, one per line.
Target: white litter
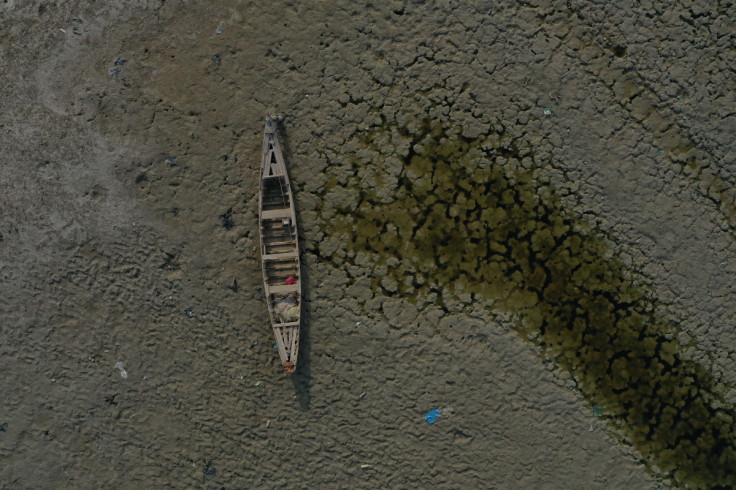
pixel 123 372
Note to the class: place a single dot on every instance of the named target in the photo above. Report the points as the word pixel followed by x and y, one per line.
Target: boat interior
pixel 278 232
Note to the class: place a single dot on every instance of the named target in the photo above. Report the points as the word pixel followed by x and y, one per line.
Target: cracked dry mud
pixel 520 211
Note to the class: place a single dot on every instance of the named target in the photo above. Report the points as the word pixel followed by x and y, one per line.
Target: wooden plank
pixel 284 288
pixel 276 213
pixel 284 255
pixel 281 243
pixel 284 325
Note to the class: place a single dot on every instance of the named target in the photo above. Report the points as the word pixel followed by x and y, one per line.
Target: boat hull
pixel 280 250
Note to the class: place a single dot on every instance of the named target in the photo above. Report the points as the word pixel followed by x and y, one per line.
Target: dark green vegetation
pixel 475 215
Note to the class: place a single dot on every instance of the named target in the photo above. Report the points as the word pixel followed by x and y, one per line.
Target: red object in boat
pixel 290 280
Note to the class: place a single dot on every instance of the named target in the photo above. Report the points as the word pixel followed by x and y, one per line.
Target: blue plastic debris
pixel 547 111
pixel 597 411
pixel 276 346
pixel 219 31
pixel 432 416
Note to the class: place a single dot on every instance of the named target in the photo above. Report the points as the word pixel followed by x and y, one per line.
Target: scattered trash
pixel 114 72
pixel 216 59
pixel 219 31
pixel 268 424
pixel 660 151
pixel 287 308
pixel 258 383
pixel 357 324
pixel 227 219
pixel 364 466
pixel 190 314
pixel 432 416
pixel 171 161
pixel 4 427
pixel 208 470
pixel 362 395
pixel 597 411
pixel 120 62
pixel 290 280
pixel 547 111
pixel 276 346
pixel 123 372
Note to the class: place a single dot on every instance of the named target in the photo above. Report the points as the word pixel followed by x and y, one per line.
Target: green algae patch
pixel 474 217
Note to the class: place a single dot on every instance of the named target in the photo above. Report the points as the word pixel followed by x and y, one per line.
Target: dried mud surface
pixel 129 151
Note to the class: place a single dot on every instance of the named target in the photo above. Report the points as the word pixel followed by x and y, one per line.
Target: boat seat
pixel 284 288
pixel 285 255
pixel 285 325
pixel 276 213
pixel 279 240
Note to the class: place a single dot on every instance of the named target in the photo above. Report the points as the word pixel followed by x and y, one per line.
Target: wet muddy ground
pixel 520 215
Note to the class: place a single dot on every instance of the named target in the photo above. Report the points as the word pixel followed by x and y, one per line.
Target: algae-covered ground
pixel 473 221
pixel 517 213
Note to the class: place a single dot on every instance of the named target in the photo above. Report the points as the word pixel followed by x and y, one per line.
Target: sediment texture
pixel 130 138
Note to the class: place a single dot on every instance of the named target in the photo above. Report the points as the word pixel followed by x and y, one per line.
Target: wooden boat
pixel 280 250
